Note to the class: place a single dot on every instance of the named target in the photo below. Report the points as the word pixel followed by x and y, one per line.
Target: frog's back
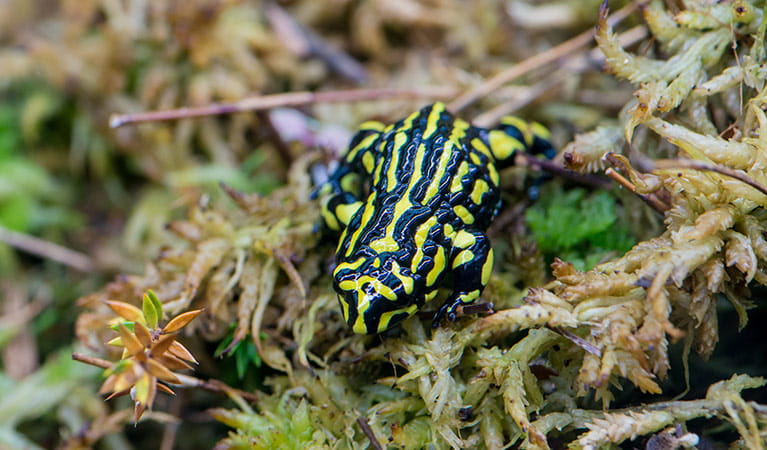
pixel 428 169
pixel 442 163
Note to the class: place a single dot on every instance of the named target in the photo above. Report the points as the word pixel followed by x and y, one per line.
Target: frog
pixel 412 202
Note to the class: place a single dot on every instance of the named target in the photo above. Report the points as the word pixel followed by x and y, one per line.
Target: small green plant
pixel 150 353
pixel 577 226
pixel 31 200
pixel 244 352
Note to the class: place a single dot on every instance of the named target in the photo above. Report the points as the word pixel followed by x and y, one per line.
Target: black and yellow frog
pixel 412 201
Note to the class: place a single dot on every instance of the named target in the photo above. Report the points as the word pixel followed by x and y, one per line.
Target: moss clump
pixel 580 228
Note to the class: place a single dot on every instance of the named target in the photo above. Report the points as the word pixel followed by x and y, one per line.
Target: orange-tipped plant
pixel 150 353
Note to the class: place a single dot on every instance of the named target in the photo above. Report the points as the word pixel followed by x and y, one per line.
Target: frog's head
pixel 376 295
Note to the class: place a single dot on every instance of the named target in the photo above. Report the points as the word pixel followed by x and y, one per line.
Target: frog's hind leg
pixel 471 261
pixel 513 135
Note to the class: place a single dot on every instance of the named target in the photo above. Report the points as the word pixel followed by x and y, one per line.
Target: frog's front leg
pixel 338 209
pixel 471 261
pixel 341 193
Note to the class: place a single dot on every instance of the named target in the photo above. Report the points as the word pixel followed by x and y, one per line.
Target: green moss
pixel 285 424
pixel 578 226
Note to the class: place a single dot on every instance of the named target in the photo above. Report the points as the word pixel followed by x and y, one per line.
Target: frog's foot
pixel 474 308
pixel 445 311
pixel 471 261
pixel 456 308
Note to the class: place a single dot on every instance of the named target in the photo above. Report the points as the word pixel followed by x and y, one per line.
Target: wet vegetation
pixel 181 263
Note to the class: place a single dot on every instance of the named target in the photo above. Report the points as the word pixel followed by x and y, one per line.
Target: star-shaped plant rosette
pixel 150 354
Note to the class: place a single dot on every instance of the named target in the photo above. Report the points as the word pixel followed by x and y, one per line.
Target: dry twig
pixel 671 164
pixel 47 250
pixel 564 49
pixel 363 423
pixel 556 169
pixel 186 380
pixel 263 102
pixel 652 200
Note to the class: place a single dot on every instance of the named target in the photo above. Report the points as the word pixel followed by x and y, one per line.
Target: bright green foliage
pixel 52 387
pixel 285 425
pixel 21 181
pixel 29 196
pixel 576 226
pixel 252 177
pixel 211 175
pixel 152 308
pixel 244 353
pixel 31 200
pixel 10 137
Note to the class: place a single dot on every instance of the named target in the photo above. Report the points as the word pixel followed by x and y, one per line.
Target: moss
pixel 544 369
pixel 579 228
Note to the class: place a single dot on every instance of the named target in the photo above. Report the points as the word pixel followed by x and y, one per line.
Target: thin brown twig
pixel 263 102
pixel 186 380
pixel 671 164
pixel 213 385
pixel 577 340
pixel 651 200
pixel 46 249
pixel 92 360
pixel 266 102
pixel 556 169
pixel 554 82
pixel 620 179
pixel 620 162
pixel 494 115
pixel 564 49
pixel 363 423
